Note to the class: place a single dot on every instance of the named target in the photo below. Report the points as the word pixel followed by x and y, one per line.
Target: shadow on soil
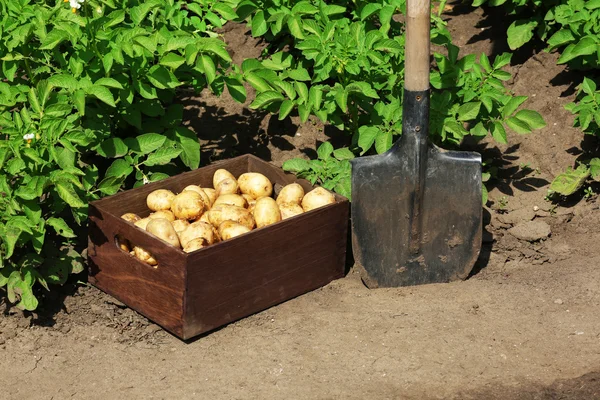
pixel 585 387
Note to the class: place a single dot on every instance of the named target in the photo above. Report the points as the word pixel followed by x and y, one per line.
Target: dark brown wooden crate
pixel 190 294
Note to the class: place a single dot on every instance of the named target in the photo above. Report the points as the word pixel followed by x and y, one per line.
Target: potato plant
pixel 345 66
pixel 87 107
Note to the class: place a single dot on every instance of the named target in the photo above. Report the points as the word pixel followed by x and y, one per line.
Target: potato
pixel 232 199
pixel 291 194
pixel 224 212
pixel 289 210
pixel 227 186
pixel 131 217
pixel 142 223
pixel 212 195
pixel 144 256
pixel 204 218
pixel 160 199
pixel 123 243
pixel 266 212
pixel 220 175
pixel 187 205
pixel 251 205
pixel 318 197
pixel 248 198
pixel 195 244
pixel 193 188
pixel 179 225
pixel 196 230
pixel 229 229
pixel 202 193
pixel 255 184
pixel 162 229
pixel 166 214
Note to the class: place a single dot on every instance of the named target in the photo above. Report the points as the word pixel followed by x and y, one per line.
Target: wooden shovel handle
pixel 417 45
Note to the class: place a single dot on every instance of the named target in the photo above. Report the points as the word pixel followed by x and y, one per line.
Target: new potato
pixel 212 195
pixel 195 244
pixel 318 197
pixel 220 175
pixel 160 199
pixel 289 210
pixel 291 194
pixel 196 230
pixel 229 229
pixel 232 199
pixel 227 186
pixel 144 256
pixel 266 212
pixel 166 214
pixel 187 205
pixel 224 212
pixel 162 229
pixel 180 224
pixel 255 185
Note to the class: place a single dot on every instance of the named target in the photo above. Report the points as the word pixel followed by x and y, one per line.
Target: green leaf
pixel 383 141
pixel 53 39
pixel 388 45
pixel 366 137
pixel 209 68
pixel 518 125
pixel 108 82
pixel 119 168
pixel 532 118
pixel 512 105
pixel 295 25
pixel 79 101
pixel 162 156
pixel 259 25
pixel 570 181
pixel 63 81
pixel 343 153
pixel 172 60
pixel 588 86
pixel 66 192
pixel 190 147
pixel 266 98
pixel 586 46
pixel 479 130
pixel 469 111
pixel 102 93
pixel 499 133
pixel 485 62
pixel 595 168
pixel 341 98
pixel 324 151
pixel 61 227
pixel 285 108
pixel 112 148
pixel 561 38
pixel 520 32
pixel 225 11
pixel 145 143
pixel 368 10
pixel 25 193
pixel 236 89
pixel 162 78
pixel 296 165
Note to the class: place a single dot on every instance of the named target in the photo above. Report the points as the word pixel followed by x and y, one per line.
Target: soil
pixel 525 325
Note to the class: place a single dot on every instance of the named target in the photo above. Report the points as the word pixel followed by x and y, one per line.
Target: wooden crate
pixel 192 293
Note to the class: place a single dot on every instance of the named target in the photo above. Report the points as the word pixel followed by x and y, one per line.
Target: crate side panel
pixel 156 293
pixel 254 272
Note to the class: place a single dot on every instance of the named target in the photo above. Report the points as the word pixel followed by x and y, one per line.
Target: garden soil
pixel 525 325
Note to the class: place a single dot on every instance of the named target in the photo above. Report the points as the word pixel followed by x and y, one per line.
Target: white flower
pixel 29 136
pixel 76 4
pixel 145 180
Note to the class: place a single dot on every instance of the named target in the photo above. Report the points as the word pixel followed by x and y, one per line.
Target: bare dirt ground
pixel 526 325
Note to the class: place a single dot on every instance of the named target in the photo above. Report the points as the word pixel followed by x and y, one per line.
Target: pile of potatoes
pixel 199 217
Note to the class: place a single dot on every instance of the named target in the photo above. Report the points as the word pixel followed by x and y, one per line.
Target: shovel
pixel 416 209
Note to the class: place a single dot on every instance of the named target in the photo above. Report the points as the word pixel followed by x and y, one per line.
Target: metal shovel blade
pixel 416 210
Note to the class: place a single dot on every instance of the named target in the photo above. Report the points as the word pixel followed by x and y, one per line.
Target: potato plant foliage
pixel 571 28
pixel 344 64
pixel 86 107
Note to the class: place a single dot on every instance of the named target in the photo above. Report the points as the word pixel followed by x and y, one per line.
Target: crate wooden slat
pixel 192 293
